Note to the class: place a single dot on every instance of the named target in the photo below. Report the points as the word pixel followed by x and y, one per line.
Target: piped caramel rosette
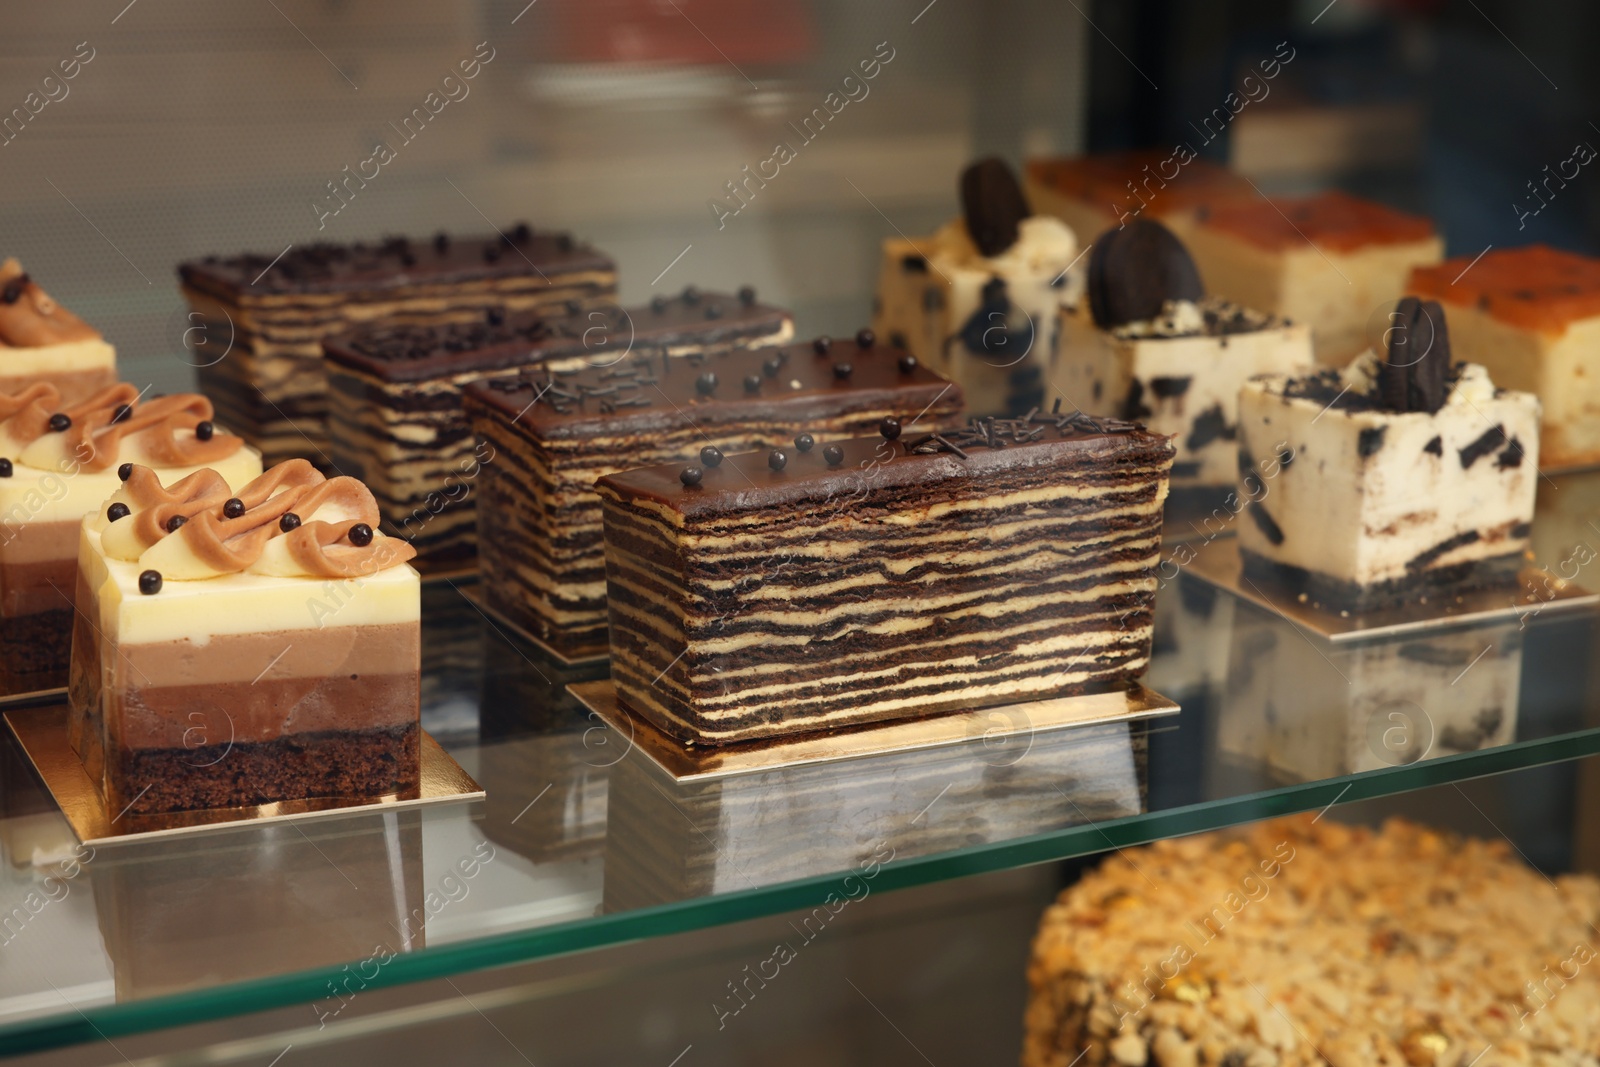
pixel 29 318
pixel 112 427
pixel 290 522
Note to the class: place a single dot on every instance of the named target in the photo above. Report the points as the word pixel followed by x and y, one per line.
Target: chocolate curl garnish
pixel 154 505
pixel 97 433
pixel 29 318
pixel 30 408
pixel 229 546
pixel 1416 364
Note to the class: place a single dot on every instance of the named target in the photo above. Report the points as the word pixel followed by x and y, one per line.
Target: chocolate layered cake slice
pixel 1149 345
pixel 1532 317
pixel 1092 194
pixel 41 341
pixel 978 300
pixel 1332 261
pixel 257 322
pixel 1403 476
pixel 884 577
pixel 244 647
pixel 396 416
pixel 59 461
pixel 553 433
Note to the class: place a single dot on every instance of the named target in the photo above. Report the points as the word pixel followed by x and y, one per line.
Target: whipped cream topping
pixel 1044 245
pixel 112 427
pixel 29 318
pixel 189 532
pixel 1472 387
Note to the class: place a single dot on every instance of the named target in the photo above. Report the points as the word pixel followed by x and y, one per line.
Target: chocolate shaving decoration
pixel 993 205
pixel 1135 270
pixel 1416 361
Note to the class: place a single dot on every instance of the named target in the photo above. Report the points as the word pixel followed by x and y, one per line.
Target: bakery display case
pixel 789 369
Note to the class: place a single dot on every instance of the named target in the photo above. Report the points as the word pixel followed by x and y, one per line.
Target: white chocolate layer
pixel 56 359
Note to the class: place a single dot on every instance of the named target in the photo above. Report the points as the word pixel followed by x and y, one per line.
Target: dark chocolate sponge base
pixel 1281 580
pixel 36 647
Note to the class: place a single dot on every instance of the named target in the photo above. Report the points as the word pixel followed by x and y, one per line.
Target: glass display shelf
pixel 582 842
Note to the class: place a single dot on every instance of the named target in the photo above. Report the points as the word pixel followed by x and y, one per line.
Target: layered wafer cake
pixel 59 461
pixel 41 341
pixel 553 433
pixel 396 417
pixel 1301 942
pixel 244 647
pixel 884 577
pixel 259 320
pixel 978 300
pixel 1092 194
pixel 1403 476
pixel 1149 345
pixel 1532 317
pixel 1332 261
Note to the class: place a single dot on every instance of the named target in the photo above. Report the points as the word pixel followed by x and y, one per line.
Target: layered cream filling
pixel 45 360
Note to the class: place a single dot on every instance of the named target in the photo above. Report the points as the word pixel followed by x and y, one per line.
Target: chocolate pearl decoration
pixel 908 364
pixel 752 383
pixel 494 316
pixel 232 508
pixel 116 511
pixel 60 423
pixel 821 345
pixel 175 522
pixel 691 295
pixel 777 459
pixel 866 338
pixel 658 303
pixel 289 521
pixel 706 384
pixel 150 582
pixel 522 233
pixel 804 442
pixel 121 414
pixel 491 252
pixel 843 370
pixel 711 456
pixel 125 472
pixel 889 427
pixel 747 295
pixel 834 455
pixel 5 468
pixel 360 535
pixel 441 242
pixel 772 366
pixel 713 311
pixel 205 431
pixel 690 475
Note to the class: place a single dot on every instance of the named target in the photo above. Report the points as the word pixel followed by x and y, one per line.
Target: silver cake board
pixel 689 763
pixel 1220 565
pixel 42 734
pixel 474 595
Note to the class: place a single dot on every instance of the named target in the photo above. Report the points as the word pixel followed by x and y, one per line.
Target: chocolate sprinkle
pixel 805 442
pixel 150 582
pixel 833 455
pixel 690 475
pixel 232 508
pixel 125 471
pixel 116 511
pixel 360 535
pixel 777 459
pixel 60 423
pixel 711 456
pixel 289 521
pixel 204 431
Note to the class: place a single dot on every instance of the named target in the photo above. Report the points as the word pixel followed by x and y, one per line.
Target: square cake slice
pixel 396 418
pixel 1091 194
pixel 883 578
pixel 1398 478
pixel 1532 317
pixel 41 341
pixel 553 433
pixel 238 648
pixel 259 321
pixel 1332 261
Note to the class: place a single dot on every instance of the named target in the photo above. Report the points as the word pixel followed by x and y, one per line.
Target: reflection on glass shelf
pixel 582 842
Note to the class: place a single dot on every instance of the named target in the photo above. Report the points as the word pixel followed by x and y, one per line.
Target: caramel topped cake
pixel 1093 193
pixel 41 341
pixel 880 578
pixel 58 463
pixel 262 319
pixel 396 417
pixel 275 613
pixel 1331 261
pixel 553 433
pixel 1532 317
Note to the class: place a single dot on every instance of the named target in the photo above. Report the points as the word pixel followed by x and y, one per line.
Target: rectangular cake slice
pixel 1091 194
pixel 41 341
pixel 258 321
pixel 1332 261
pixel 553 433
pixel 238 648
pixel 879 579
pixel 59 461
pixel 1532 317
pixel 396 418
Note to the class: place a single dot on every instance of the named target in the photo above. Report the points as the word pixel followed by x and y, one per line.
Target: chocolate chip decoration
pixel 125 472
pixel 821 345
pixel 116 511
pixel 908 364
pixel 866 338
pixel 706 384
pixel 360 535
pixel 232 508
pixel 6 469
pixel 204 431
pixel 805 442
pixel 752 383
pixel 290 521
pixel 777 459
pixel 60 423
pixel 834 455
pixel 150 582
pixel 711 456
pixel 993 205
pixel 691 476
pixel 889 428
pixel 843 370
pixel 1416 359
pixel 1135 270
pixel 175 522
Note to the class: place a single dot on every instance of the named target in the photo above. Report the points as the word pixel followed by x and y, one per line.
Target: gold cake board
pixel 688 763
pixel 1220 565
pixel 42 733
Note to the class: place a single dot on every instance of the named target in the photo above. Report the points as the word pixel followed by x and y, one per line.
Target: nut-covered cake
pixel 884 578
pixel 41 341
pixel 1399 477
pixel 1091 194
pixel 1148 345
pixel 58 462
pixel 243 647
pixel 553 433
pixel 1332 261
pixel 259 320
pixel 1301 942
pixel 978 300
pixel 396 417
pixel 1532 317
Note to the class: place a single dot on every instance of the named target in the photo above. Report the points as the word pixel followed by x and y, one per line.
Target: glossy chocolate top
pixel 1536 287
pixel 1103 180
pixel 649 392
pixel 986 448
pixel 392 263
pixel 604 333
pixel 1333 221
